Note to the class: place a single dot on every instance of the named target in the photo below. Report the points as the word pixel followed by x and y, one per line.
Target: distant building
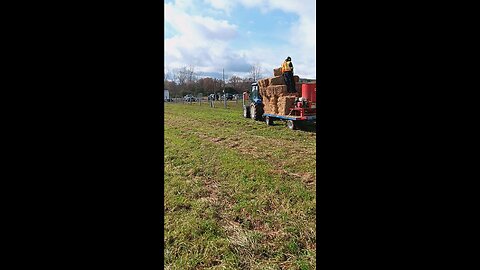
pixel 166 94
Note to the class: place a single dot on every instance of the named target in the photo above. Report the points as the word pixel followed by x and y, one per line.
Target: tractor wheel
pixel 246 112
pixel 256 111
pixel 291 124
pixel 269 121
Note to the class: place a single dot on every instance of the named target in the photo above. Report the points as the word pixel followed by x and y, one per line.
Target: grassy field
pixel 238 194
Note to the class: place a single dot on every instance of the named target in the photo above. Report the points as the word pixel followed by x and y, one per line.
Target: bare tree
pixel 190 73
pixel 186 78
pixel 255 72
pixel 245 84
pixel 186 75
pixel 181 76
pixel 234 81
pixel 167 74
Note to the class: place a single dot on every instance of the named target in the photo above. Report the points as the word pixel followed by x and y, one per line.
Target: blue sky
pixel 213 34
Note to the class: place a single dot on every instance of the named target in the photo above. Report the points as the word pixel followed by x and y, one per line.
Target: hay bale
pixel 270 105
pixel 267 106
pixel 278 80
pixel 261 91
pixel 263 82
pixel 277 72
pixel 277 100
pixel 284 104
pixel 281 90
pixel 270 91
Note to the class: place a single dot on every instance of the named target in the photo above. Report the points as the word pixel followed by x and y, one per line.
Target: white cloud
pixel 204 41
pixel 302 37
pixel 200 40
pixel 198 27
pixel 224 5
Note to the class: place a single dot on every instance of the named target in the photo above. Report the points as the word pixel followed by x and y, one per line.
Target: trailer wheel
pixel 269 121
pixel 256 111
pixel 291 124
pixel 246 111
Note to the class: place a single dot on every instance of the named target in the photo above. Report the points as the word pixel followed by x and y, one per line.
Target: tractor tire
pixel 256 112
pixel 291 124
pixel 246 112
pixel 269 121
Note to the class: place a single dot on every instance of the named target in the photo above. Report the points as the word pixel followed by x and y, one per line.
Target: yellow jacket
pixel 287 66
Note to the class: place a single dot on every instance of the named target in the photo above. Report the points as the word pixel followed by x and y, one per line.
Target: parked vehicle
pixel 189 98
pixel 212 97
pixel 228 96
pixel 215 96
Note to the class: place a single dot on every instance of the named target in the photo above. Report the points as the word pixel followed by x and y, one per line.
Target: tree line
pixel 183 81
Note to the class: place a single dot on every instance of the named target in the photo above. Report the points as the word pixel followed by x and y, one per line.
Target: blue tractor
pixel 254 108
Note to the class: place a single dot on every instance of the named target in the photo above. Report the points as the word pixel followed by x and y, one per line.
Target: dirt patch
pixel 236 234
pixel 306 178
pixel 211 187
pixel 218 139
pixel 235 144
pixel 203 136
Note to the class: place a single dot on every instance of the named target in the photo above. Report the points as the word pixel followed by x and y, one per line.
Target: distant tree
pixel 206 84
pixel 255 72
pixel 172 87
pixel 168 75
pixel 191 75
pixel 231 90
pixel 234 81
pixel 217 85
pixel 245 84
pixel 181 76
pixel 185 75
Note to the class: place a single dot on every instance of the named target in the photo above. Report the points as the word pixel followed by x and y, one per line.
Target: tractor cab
pixel 254 107
pixel 255 95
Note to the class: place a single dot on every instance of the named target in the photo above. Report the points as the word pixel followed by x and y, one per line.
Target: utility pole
pixel 212 100
pixel 224 96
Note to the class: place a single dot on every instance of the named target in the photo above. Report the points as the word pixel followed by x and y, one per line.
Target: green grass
pixel 238 194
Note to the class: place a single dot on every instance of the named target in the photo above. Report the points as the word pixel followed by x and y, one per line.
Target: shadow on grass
pixel 307 126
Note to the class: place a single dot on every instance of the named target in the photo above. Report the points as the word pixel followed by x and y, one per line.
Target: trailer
pixel 303 111
pixel 293 122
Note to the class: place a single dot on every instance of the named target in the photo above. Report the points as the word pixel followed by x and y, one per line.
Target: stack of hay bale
pixel 274 93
